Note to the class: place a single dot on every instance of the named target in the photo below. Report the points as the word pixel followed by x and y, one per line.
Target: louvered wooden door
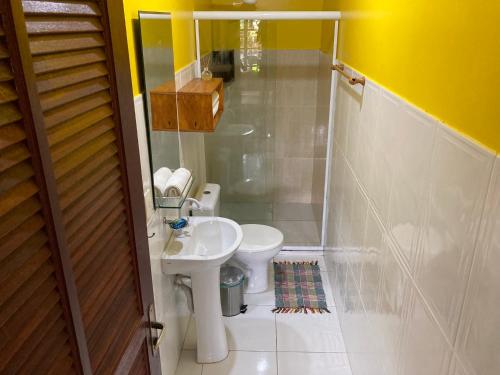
pixel 93 276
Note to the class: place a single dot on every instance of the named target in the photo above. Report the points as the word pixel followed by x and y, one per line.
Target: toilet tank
pixel 210 201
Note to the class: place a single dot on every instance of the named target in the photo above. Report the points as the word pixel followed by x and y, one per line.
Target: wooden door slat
pixel 68 77
pixel 5 72
pixel 4 54
pixel 25 291
pixel 13 155
pixel 14 176
pixel 106 357
pixel 80 222
pixel 65 42
pixel 107 169
pixel 104 189
pixel 79 111
pixel 80 8
pixel 81 237
pixel 84 153
pixel 11 134
pixel 12 260
pixel 100 332
pixel 14 197
pixel 60 25
pixel 53 62
pixel 62 365
pixel 23 274
pixel 76 176
pixel 36 341
pixel 39 292
pixel 79 123
pixel 120 342
pixel 32 331
pixel 18 237
pixel 43 358
pixel 86 282
pixel 103 234
pixel 102 297
pixel 76 141
pixel 53 99
pixel 7 93
pixel 18 215
pixel 91 287
pixel 9 113
pixel 84 225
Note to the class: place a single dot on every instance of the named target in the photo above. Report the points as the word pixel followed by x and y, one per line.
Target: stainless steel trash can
pixel 231 290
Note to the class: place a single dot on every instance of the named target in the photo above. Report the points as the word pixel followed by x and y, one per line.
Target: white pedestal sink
pixel 205 244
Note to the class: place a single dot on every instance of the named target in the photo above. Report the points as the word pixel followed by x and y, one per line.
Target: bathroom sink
pixel 205 242
pixel 199 251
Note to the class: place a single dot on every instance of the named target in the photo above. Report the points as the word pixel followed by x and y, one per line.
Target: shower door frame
pixel 289 15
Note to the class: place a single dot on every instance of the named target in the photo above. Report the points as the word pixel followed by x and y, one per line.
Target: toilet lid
pixel 258 237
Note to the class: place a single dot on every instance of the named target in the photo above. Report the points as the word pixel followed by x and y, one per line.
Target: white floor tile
pixel 261 299
pixel 291 363
pixel 244 363
pixel 187 364
pixel 255 330
pixel 309 333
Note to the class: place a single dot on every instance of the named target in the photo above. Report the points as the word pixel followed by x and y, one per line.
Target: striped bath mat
pixel 298 288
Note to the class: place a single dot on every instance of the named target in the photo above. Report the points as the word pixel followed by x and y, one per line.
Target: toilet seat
pixel 259 238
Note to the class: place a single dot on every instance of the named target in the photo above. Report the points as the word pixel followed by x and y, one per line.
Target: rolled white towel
pixel 160 180
pixel 215 107
pixel 177 183
pixel 215 97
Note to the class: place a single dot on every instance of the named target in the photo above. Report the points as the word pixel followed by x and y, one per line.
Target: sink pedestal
pixel 211 334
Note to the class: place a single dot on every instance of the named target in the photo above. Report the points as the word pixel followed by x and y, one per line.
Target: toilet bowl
pixel 259 245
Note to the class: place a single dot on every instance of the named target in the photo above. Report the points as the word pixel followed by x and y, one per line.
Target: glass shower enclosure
pixel 269 152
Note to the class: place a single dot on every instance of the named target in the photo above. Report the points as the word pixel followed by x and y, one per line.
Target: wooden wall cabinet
pixel 164 107
pixel 195 105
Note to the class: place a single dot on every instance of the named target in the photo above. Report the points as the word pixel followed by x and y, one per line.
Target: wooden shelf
pixel 194 102
pixel 164 107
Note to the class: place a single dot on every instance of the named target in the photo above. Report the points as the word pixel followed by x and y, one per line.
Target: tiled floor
pixel 263 343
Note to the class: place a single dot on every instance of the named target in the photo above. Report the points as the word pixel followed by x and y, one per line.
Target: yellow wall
pixel 443 56
pixel 182 30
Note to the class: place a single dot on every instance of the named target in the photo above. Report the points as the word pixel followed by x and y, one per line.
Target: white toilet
pixel 259 245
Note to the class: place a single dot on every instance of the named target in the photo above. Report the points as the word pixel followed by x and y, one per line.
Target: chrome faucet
pixel 195 204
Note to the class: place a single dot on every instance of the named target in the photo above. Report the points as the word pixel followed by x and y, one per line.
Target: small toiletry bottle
pixel 206 75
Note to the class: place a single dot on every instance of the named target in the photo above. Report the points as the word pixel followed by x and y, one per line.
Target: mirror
pixel 158 74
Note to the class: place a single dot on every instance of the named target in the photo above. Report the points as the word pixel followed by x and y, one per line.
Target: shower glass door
pixel 268 153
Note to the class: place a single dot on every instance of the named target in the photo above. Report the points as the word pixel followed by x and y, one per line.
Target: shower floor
pixel 300 223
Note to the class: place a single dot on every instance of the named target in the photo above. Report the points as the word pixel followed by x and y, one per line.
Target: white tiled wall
pixel 170 302
pixel 413 236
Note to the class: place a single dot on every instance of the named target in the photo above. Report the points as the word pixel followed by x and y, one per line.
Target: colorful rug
pixel 298 288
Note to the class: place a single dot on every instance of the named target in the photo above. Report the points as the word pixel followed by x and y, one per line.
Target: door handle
pixel 156 341
pixel 154 325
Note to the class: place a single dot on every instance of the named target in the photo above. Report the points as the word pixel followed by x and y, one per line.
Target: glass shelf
pixel 175 202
